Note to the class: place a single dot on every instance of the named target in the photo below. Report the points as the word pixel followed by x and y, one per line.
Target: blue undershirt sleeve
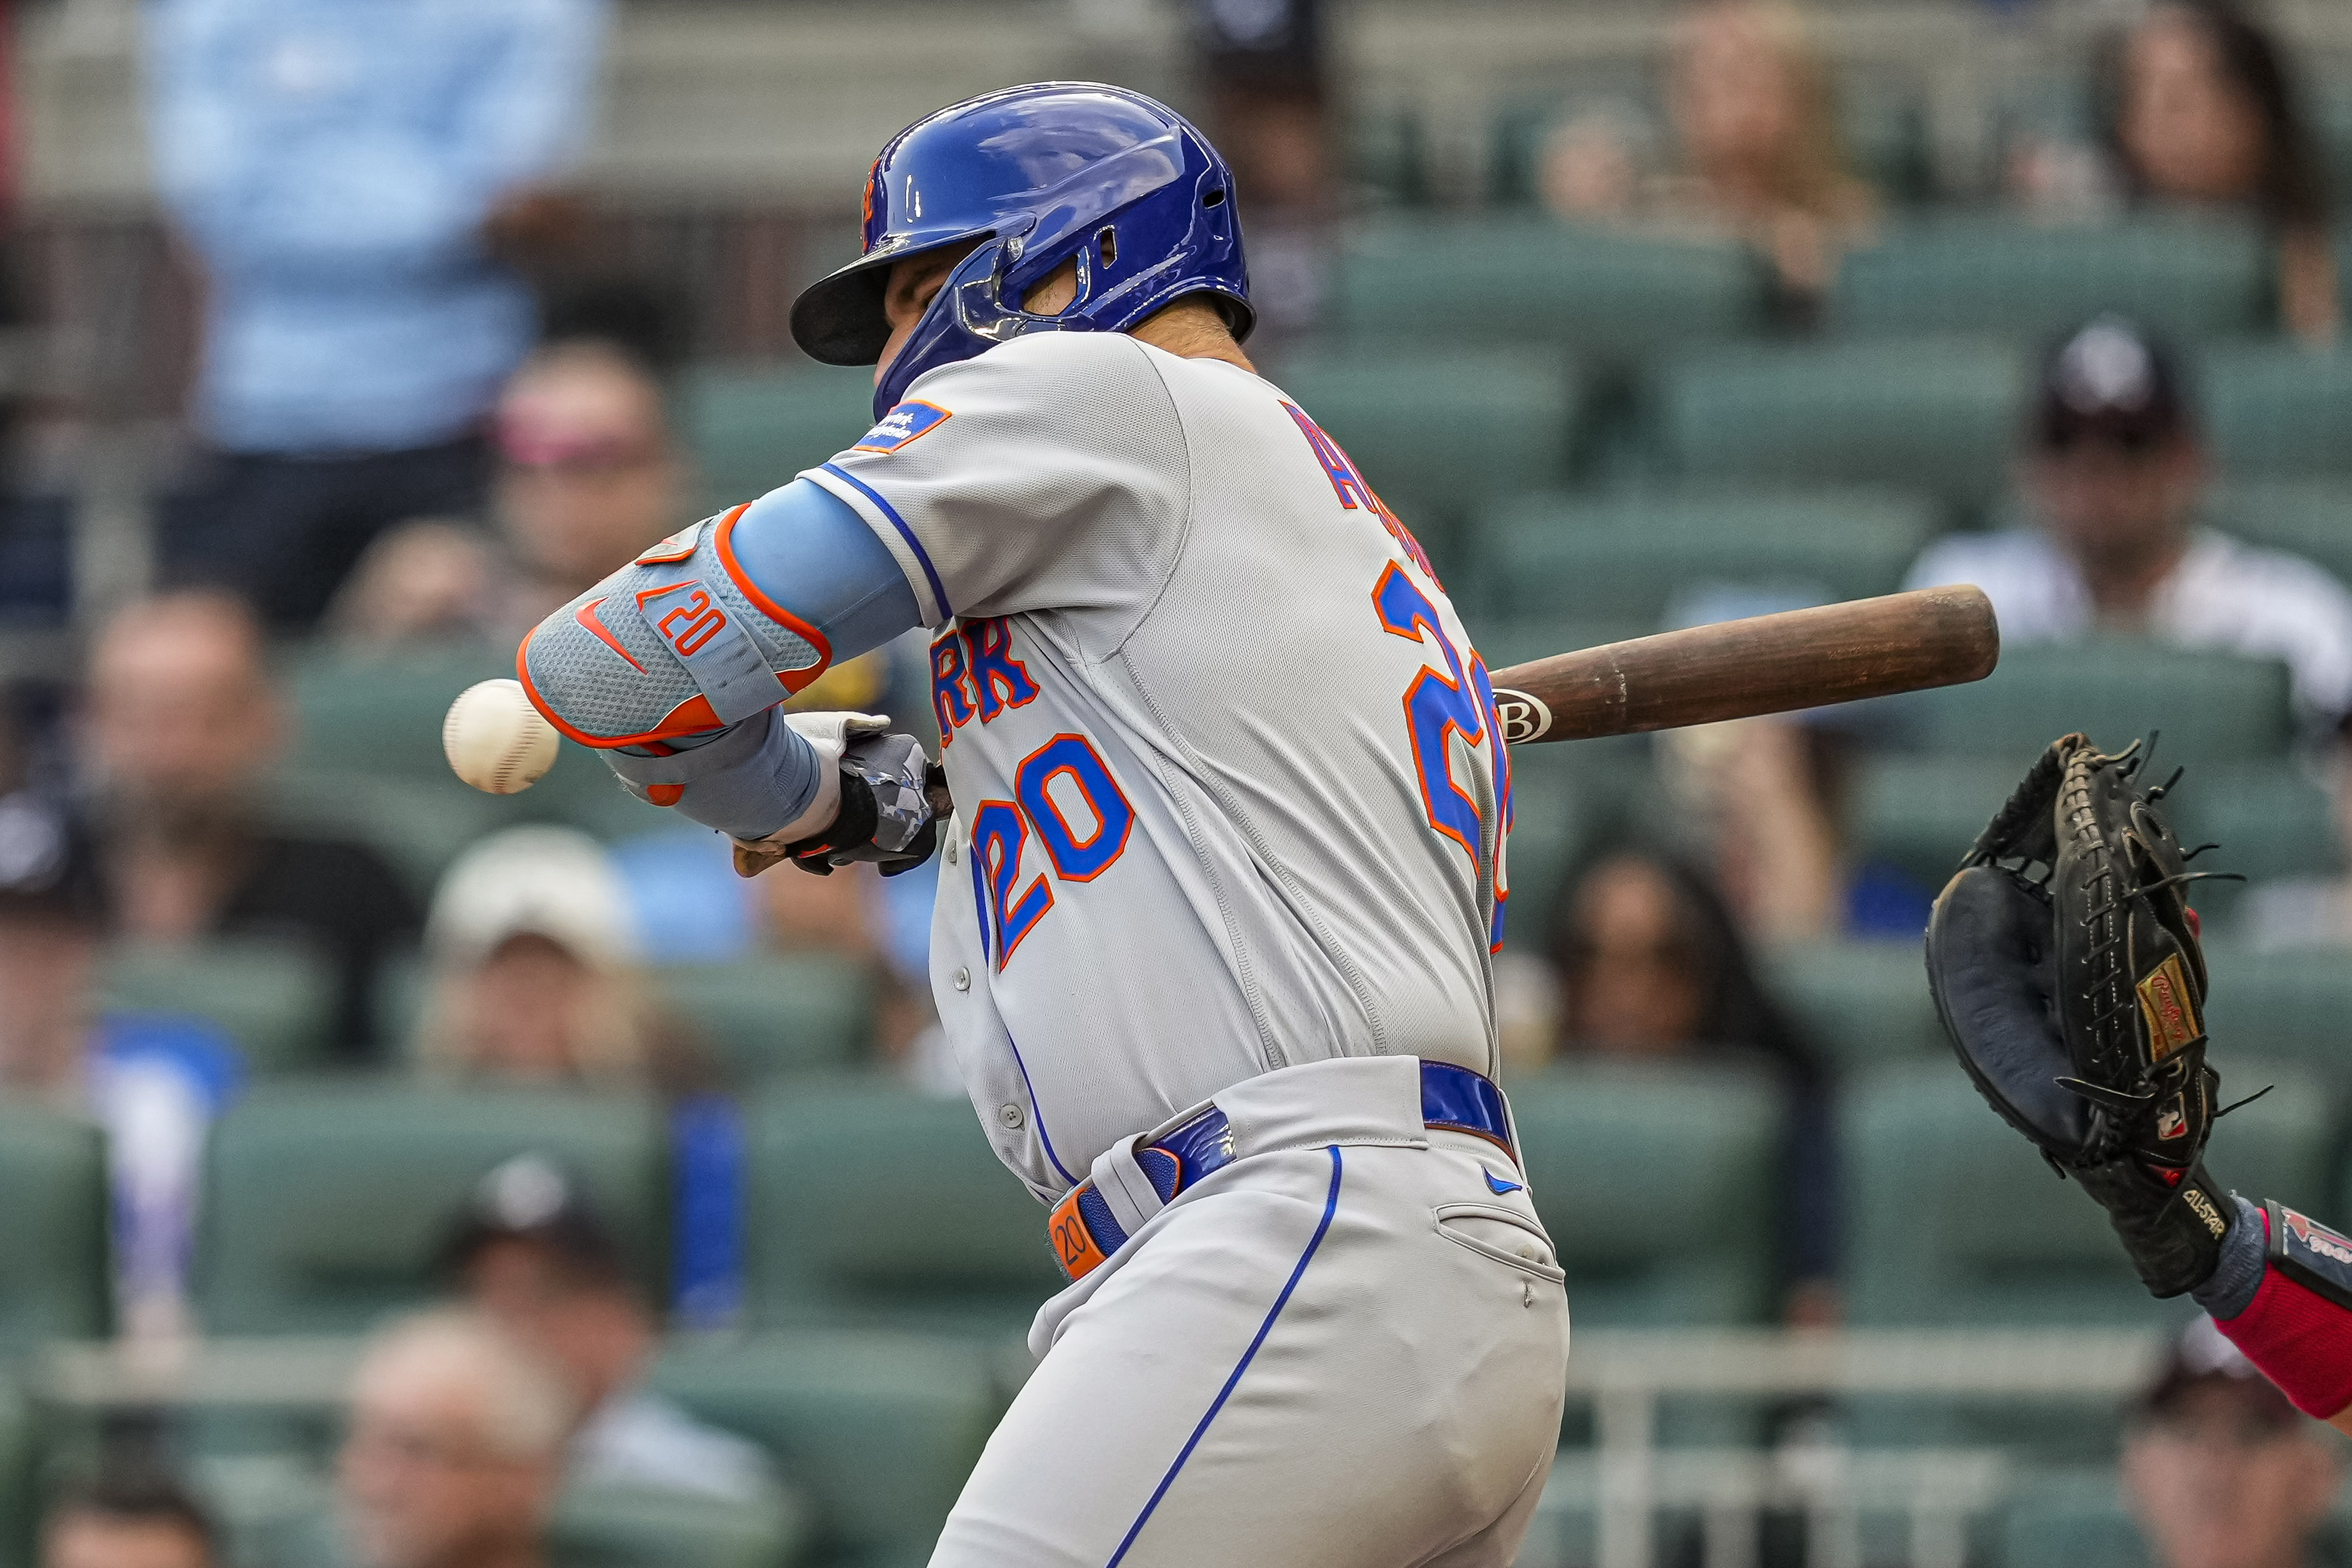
pixel 811 554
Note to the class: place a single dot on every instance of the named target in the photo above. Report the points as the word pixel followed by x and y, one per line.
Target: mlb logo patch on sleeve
pixel 902 425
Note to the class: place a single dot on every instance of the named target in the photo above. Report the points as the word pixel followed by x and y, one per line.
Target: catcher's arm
pixel 2282 1294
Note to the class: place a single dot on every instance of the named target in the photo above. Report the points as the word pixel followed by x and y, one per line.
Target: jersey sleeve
pixel 2297 1324
pixel 1048 473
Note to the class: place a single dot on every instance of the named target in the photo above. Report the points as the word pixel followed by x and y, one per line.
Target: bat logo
pixel 1523 717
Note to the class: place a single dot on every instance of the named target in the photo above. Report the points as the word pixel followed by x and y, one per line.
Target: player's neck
pixel 1191 329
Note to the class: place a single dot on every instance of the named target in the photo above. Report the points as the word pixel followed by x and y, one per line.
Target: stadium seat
pixel 1632 556
pixel 766 1018
pixel 2182 275
pixel 2068 1518
pixel 2210 708
pixel 1858 1003
pixel 1659 1183
pixel 418 825
pixel 1440 434
pixel 275 998
pixel 2309 518
pixel 876 1205
pixel 751 430
pixel 381 717
pixel 1522 279
pixel 2293 1005
pixel 1953 1220
pixel 54 1275
pixel 325 1203
pixel 876 1430
pixel 2277 410
pixel 1937 414
pixel 608 1526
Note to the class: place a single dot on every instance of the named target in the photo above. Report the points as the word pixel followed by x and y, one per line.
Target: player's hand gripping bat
pixel 1767 664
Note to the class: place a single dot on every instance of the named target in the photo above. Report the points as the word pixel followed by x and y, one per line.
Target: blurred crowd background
pixel 341 339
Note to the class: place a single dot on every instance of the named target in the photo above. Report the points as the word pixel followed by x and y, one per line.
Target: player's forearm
pixel 2284 1298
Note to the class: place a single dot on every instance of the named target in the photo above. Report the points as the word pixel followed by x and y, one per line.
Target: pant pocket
pixel 1507 1236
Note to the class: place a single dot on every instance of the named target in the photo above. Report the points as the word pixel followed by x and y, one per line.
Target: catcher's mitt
pixel 2065 963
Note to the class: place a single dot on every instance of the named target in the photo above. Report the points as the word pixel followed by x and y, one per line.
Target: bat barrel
pixel 1765 663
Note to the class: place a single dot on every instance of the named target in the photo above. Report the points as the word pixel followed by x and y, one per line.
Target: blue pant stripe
pixel 1331 1206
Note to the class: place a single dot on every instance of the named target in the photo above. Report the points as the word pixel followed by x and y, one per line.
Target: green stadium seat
pixel 418 826
pixel 1630 556
pixel 54 1273
pixel 876 1430
pixel 1694 1151
pixel 2069 1517
pixel 1953 1220
pixel 2309 518
pixel 1516 280
pixel 766 1018
pixel 2278 410
pixel 2293 1005
pixel 608 1526
pixel 1920 814
pixel 2210 708
pixel 1440 434
pixel 275 998
pixel 325 1203
pixel 874 1204
pixel 2182 275
pixel 381 717
pixel 1937 414
pixel 1858 1003
pixel 751 430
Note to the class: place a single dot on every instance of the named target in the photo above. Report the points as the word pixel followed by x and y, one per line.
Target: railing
pixel 1621 1483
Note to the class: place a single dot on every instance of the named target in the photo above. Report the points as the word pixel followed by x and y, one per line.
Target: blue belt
pixel 1084 1232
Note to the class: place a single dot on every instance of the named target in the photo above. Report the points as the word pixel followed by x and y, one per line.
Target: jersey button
pixel 1012 1116
pixel 962 979
pixel 952 852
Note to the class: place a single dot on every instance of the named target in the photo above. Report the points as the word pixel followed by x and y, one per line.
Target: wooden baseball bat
pixel 1767 664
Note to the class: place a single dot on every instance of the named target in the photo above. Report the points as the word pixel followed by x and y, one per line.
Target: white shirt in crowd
pixel 2223 595
pixel 640 1438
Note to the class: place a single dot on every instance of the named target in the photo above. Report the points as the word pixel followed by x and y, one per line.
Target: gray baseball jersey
pixel 1229 791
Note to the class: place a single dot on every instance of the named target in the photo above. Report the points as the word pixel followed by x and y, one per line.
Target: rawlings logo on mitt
pixel 2065 963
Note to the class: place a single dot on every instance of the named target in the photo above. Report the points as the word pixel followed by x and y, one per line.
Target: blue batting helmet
pixel 1037 175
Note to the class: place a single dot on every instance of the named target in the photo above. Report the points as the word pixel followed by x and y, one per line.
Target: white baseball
pixel 495 740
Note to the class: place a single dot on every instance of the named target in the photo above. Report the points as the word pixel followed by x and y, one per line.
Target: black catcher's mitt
pixel 2065 965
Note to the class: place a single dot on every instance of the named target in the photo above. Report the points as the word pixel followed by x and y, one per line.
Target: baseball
pixel 495 740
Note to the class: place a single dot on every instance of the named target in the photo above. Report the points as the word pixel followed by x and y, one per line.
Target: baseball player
pixel 2070 972
pixel 1223 869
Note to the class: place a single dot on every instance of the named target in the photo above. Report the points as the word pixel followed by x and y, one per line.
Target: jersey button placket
pixel 962 979
pixel 1011 1115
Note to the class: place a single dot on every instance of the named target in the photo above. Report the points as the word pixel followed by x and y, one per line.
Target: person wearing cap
pixel 2220 1471
pixel 2115 470
pixel 531 1255
pixel 154 1082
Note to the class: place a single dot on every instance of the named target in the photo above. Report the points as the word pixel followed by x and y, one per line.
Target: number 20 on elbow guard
pixel 1065 798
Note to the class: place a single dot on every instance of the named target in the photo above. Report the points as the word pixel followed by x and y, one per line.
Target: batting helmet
pixel 1038 174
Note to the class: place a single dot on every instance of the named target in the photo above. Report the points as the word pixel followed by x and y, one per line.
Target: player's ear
pixel 1054 293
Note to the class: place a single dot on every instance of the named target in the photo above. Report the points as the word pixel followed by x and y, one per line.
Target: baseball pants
pixel 1346 1349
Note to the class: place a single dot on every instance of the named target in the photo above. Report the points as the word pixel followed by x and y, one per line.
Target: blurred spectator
pixel 1756 149
pixel 126 1519
pixel 2116 472
pixel 344 174
pixel 533 1257
pixel 1262 65
pixel 181 723
pixel 535 970
pixel 1652 966
pixel 454 1448
pixel 538 978
pixel 589 473
pixel 2218 1471
pixel 153 1082
pixel 2200 111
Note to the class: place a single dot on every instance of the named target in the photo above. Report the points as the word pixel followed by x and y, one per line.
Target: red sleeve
pixel 2301 1339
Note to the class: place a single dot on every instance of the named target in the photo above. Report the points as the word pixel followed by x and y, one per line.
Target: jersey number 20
pixel 1438 705
pixel 1065 777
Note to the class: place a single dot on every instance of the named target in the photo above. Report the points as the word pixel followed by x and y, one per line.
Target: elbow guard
pixel 678 643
